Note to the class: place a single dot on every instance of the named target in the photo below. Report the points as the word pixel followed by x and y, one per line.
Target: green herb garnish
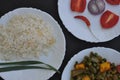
pixel 22 65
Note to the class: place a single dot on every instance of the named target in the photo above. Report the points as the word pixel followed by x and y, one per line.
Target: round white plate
pixel 110 54
pixel 79 29
pixel 54 57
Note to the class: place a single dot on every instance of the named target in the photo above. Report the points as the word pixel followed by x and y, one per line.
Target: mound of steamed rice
pixel 25 37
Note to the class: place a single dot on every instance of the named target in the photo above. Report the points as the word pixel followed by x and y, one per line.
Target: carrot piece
pixel 80 66
pixel 105 66
pixel 86 78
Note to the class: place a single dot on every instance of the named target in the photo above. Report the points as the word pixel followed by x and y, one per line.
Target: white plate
pixel 110 54
pixel 79 29
pixel 55 56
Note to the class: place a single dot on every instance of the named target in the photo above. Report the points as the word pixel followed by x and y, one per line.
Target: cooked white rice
pixel 25 37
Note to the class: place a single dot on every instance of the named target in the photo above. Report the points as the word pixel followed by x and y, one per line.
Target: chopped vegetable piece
pixel 76 72
pixel 118 68
pixel 105 67
pixel 109 19
pixel 83 18
pixel 86 78
pixel 80 66
pixel 96 6
pixel 113 2
pixel 78 5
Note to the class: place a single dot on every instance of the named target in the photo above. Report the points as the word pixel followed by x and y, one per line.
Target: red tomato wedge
pixel 84 19
pixel 78 5
pixel 109 19
pixel 118 68
pixel 113 2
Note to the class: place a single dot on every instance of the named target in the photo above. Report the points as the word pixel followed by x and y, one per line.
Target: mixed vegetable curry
pixel 94 67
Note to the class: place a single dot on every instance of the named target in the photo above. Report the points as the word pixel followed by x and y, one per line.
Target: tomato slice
pixel 78 5
pixel 118 68
pixel 113 2
pixel 109 19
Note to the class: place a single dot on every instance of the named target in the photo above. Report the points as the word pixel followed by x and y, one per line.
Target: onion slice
pixel 96 7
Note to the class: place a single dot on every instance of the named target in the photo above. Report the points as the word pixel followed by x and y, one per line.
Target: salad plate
pixel 95 33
